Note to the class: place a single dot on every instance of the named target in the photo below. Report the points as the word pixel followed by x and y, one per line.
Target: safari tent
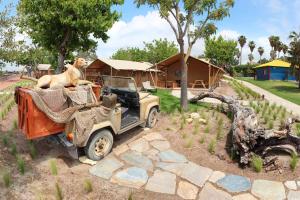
pixel 43 69
pixel 274 70
pixel 140 71
pixel 201 73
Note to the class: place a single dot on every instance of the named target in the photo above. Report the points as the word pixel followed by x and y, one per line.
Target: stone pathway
pixel 151 164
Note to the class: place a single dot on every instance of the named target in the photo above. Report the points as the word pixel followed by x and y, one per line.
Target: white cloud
pixel 229 34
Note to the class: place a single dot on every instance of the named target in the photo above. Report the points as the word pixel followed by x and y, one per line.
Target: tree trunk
pixel 183 81
pixel 61 59
pixel 299 78
pixel 241 56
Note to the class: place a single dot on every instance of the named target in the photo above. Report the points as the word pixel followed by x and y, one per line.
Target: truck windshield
pixel 120 83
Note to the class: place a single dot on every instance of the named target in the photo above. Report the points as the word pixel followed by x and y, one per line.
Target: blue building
pixel 275 70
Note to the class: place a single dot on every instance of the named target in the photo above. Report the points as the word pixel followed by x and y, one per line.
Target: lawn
pixel 284 89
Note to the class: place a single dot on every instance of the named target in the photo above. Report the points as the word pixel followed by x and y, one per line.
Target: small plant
pixel 88 186
pixel 266 119
pixel 15 124
pixel 53 167
pixel 207 128
pixel 182 125
pixel 189 143
pixel 5 140
pixel 257 109
pixel 32 150
pixel 298 129
pixel 257 163
pixel 270 124
pixel 274 116
pixel 21 165
pixel 196 127
pixel 184 135
pixel 202 140
pixel 219 133
pixel 13 149
pixel 212 147
pixel 294 161
pixel 6 179
pixel 130 196
pixel 58 192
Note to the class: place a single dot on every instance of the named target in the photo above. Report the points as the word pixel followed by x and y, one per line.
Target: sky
pixel 256 19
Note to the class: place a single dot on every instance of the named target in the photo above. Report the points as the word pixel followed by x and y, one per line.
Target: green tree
pixel 251 58
pixel 284 49
pixel 130 53
pixel 158 50
pixel 65 26
pixel 274 40
pixel 294 52
pixel 181 15
pixel 261 52
pixel 242 41
pixel 221 52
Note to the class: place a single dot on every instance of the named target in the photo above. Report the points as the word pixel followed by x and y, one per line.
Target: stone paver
pixel 216 175
pixel 153 136
pixel 120 149
pixel 234 183
pixel 209 192
pixel 186 190
pixel 162 182
pixel 291 185
pixel 172 156
pixel 175 168
pixel 246 196
pixel 139 145
pixel 85 160
pixel 196 174
pixel 137 159
pixel 293 195
pixel 105 168
pixel 131 177
pixel 268 189
pixel 160 145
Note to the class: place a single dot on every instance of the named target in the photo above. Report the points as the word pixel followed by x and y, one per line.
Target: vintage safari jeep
pixel 132 109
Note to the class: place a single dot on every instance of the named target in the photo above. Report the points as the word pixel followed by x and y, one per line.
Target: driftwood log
pixel 249 138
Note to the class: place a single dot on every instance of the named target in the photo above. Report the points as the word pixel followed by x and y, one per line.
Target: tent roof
pixel 176 57
pixel 275 63
pixel 43 66
pixel 124 64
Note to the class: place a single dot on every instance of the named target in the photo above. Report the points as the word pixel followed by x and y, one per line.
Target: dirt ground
pixel 11 80
pixel 39 183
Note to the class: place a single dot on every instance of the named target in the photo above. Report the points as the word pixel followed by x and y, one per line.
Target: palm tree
pixel 251 45
pixel 279 48
pixel 242 41
pixel 261 52
pixel 273 54
pixel 294 52
pixel 284 49
pixel 274 40
pixel 250 57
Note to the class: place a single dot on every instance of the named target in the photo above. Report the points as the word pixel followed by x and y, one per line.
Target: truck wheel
pixel 152 118
pixel 99 145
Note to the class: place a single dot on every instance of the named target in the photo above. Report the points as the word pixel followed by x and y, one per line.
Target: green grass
pixel 6 179
pixel 58 192
pixel 53 167
pixel 284 89
pixel 170 104
pixel 32 150
pixel 88 186
pixel 21 165
pixel 212 147
pixel 294 161
pixel 257 163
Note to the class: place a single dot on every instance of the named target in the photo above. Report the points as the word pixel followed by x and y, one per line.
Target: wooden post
pixel 209 76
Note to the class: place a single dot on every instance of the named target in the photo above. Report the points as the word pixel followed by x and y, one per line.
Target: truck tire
pixel 152 118
pixel 99 145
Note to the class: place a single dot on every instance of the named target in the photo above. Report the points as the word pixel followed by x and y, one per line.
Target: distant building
pixel 43 69
pixel 274 70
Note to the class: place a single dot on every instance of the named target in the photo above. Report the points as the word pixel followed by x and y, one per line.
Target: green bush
pixel 212 147
pixel 257 163
pixel 53 167
pixel 21 165
pixel 88 186
pixel 58 192
pixel 6 179
pixel 32 150
pixel 294 161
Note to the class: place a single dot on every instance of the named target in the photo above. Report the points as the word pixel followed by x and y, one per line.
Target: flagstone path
pixel 151 164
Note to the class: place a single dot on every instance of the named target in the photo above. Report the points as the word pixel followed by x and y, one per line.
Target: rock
pixel 209 192
pixel 234 183
pixel 139 145
pixel 146 129
pixel 216 175
pixel 246 196
pixel 160 145
pixel 137 159
pixel 194 115
pixel 175 168
pixel 189 120
pixel 172 156
pixel 162 182
pixel 196 174
pixel 120 149
pixel 105 168
pixel 291 185
pixel 186 190
pixel 202 121
pixel 152 154
pixel 85 160
pixel 298 183
pixel 293 195
pixel 268 189
pixel 153 136
pixel 131 177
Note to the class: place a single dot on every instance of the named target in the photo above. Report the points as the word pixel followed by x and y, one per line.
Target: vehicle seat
pixel 124 111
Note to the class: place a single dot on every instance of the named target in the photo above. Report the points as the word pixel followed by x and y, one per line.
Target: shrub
pixel 257 163
pixel 196 127
pixel 266 119
pixel 274 116
pixel 53 167
pixel 58 192
pixel 212 147
pixel 88 186
pixel 219 133
pixel 189 143
pixel 32 150
pixel 6 179
pixel 294 161
pixel 21 165
pixel 13 149
pixel 202 140
pixel 298 129
pixel 270 124
pixel 207 128
pixel 5 140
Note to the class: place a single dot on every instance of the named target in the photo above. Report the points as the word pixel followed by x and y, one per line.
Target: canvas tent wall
pixel 274 70
pixel 198 70
pixel 140 71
